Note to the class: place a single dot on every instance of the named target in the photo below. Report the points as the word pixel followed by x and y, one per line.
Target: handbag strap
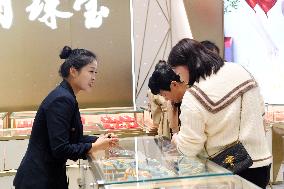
pixel 236 141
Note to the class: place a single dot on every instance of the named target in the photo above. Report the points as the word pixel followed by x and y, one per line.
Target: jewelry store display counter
pixel 124 121
pixel 3 120
pixel 149 161
pixel 22 119
pixel 217 182
pixel 278 150
pixel 6 179
pixel 15 134
pixel 13 144
pixel 274 119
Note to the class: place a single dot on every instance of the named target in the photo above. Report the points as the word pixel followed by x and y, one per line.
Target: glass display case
pixel 22 119
pixel 217 182
pixel 274 113
pixel 15 134
pixel 124 121
pixel 13 144
pixel 146 159
pixel 3 120
pixel 274 120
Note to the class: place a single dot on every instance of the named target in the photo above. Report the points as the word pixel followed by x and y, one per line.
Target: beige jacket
pixel 158 107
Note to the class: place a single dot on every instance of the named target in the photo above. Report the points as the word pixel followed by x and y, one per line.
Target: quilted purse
pixel 234 156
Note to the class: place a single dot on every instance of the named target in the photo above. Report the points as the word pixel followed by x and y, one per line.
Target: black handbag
pixel 234 156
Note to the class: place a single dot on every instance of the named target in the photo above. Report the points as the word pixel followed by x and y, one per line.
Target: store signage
pixel 6 14
pixel 45 11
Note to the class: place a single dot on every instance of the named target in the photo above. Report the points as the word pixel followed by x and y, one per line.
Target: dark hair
pixel 160 64
pixel 211 46
pixel 76 58
pixel 162 77
pixel 200 61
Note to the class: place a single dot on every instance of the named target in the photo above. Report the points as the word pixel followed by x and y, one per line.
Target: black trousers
pixel 259 176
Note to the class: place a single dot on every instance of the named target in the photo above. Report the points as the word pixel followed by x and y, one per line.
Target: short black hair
pixel 211 46
pixel 162 77
pixel 200 61
pixel 76 58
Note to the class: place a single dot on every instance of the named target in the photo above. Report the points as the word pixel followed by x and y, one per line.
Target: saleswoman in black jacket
pixel 57 133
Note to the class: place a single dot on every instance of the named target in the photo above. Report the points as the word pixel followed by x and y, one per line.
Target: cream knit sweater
pixel 210 115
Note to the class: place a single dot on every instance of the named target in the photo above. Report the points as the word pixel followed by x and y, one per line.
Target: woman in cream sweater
pixel 212 94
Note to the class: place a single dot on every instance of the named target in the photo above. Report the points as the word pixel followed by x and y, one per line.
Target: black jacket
pixel 57 135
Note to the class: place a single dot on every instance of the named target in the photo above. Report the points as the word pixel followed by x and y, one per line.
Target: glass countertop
pixel 218 182
pixel 148 158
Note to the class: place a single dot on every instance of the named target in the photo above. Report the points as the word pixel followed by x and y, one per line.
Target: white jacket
pixel 210 115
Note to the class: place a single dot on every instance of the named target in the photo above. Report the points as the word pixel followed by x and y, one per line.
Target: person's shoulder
pixel 232 65
pixel 61 94
pixel 191 104
pixel 189 99
pixel 235 66
pixel 236 72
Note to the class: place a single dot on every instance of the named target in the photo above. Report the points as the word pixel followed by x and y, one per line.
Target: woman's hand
pixel 153 129
pixel 104 142
pixel 174 139
pixel 114 139
pixel 111 135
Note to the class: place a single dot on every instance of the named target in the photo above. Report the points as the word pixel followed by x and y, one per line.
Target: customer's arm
pixel 266 121
pixel 173 117
pixel 191 137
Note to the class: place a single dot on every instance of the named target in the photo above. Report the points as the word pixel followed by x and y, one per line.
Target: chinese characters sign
pixel 46 11
pixel 50 12
pixel 6 13
pixel 93 18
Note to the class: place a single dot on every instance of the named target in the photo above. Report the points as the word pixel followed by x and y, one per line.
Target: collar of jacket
pixel 67 86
